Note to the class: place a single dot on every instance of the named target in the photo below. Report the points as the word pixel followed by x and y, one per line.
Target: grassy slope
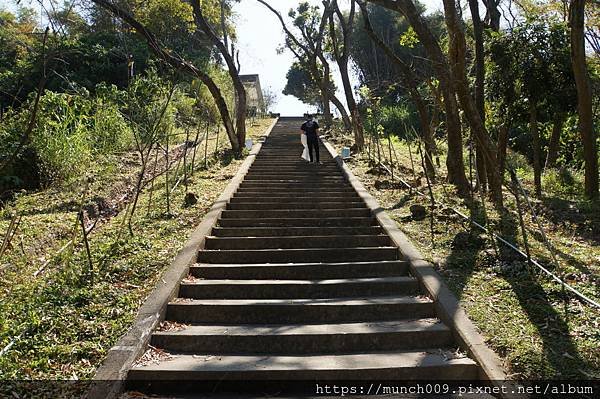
pixel 67 322
pixel 520 313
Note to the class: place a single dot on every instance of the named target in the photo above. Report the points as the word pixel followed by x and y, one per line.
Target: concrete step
pixel 298 255
pixel 241 198
pixel 296 213
pixel 313 192
pixel 293 271
pixel 298 242
pixel 294 205
pixel 330 166
pixel 305 170
pixel 293 231
pixel 301 169
pixel 294 186
pixel 285 149
pixel 399 365
pixel 287 289
pixel 293 158
pixel 342 188
pixel 299 311
pixel 298 283
pixel 291 173
pixel 306 179
pixel 280 156
pixel 300 339
pixel 299 222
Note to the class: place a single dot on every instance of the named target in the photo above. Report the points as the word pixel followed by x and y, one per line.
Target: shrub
pixel 563 182
pixel 109 131
pixel 23 171
pixel 147 109
pixel 70 130
pixel 61 138
pixel 394 119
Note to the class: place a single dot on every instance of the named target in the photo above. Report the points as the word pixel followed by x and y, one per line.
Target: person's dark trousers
pixel 313 143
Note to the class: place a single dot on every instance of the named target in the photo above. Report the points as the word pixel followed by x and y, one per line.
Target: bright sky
pixel 259 36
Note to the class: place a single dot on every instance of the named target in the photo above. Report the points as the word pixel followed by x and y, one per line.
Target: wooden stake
pixel 195 148
pixel 167 177
pixel 185 168
pixel 206 146
pixel 87 247
pixel 217 143
pixel 431 197
pixel 391 159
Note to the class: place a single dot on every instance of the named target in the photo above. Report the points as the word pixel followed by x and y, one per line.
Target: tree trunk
pixel 454 161
pixel 480 166
pixel 180 64
pixel 236 144
pixel 223 26
pixel 410 81
pixel 325 96
pixel 553 145
pixel 342 110
pixel 502 148
pixel 426 134
pixel 584 97
pixel 457 55
pixel 341 56
pixel 355 119
pixel 492 15
pixel 240 90
pixel 480 159
pixel 537 148
pixel 325 85
pixel 326 109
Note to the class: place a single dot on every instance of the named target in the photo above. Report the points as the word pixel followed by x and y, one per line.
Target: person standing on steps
pixel 311 129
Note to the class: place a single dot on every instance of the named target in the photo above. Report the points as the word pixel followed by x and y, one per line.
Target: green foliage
pixel 70 129
pixel 67 322
pixel 81 58
pixel 75 133
pixel 376 70
pixel 109 131
pixel 395 118
pixel 148 109
pixel 531 64
pixel 301 85
pixel 164 17
pixel 388 119
pixel 570 150
pixel 61 137
pixel 185 109
pixel 205 104
pixel 563 182
pixel 409 38
pixel 519 163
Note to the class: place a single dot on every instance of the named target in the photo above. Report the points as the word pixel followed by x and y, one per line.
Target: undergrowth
pixel 538 330
pixel 65 320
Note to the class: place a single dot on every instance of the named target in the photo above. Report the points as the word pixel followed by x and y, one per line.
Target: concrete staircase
pixel 298 281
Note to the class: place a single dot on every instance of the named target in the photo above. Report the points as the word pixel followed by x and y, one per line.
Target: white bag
pixel 305 154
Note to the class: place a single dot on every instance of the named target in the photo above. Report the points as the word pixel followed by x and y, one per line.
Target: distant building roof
pixel 250 78
pixel 254 95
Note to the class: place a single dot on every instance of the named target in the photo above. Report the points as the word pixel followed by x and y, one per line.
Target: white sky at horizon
pixel 259 35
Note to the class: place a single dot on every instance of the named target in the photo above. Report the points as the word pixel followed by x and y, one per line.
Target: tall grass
pixel 76 132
